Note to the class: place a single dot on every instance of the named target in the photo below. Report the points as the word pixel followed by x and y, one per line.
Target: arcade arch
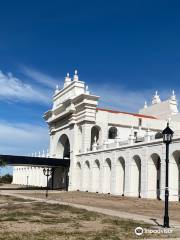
pixel 120 176
pixel 107 176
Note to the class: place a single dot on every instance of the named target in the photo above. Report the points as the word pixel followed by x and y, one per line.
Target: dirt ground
pixel 46 218
pixel 152 208
pixel 31 220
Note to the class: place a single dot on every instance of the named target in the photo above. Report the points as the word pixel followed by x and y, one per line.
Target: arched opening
pixel 96 176
pixel 95 134
pixel 174 176
pixel 78 176
pixel 136 176
pixel 158 135
pixel 120 176
pixel 154 172
pixel 63 147
pixel 61 174
pixel 107 176
pixel 112 133
pixel 86 176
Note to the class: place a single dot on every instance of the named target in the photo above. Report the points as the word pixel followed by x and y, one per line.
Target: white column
pixel 86 134
pixel 163 173
pixel 128 158
pixel 113 173
pixel 74 151
pixel 144 172
pixel 173 180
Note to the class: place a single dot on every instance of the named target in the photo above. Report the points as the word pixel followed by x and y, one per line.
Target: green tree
pixel 7 178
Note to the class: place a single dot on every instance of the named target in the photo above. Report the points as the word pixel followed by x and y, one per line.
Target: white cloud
pixel 125 99
pixel 40 77
pixel 12 88
pixel 22 139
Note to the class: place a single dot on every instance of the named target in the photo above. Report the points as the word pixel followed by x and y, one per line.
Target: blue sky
pixel 124 50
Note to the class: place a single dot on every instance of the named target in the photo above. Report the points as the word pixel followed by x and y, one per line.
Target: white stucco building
pixel 110 151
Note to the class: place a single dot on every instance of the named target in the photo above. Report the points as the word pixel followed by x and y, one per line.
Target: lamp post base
pixel 166 221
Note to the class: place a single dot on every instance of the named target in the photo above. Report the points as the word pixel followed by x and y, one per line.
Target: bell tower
pixel 71 118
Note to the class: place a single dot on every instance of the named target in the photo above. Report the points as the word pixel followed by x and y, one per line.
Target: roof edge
pixel 132 114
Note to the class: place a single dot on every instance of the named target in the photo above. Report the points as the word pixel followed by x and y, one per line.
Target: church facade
pixel 110 152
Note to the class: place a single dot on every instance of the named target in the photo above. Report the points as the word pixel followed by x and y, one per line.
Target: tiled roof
pixel 133 114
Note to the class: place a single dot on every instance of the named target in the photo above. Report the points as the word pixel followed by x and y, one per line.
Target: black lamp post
pixel 47 172
pixel 167 139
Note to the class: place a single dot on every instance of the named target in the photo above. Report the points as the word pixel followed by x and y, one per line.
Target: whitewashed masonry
pixel 110 151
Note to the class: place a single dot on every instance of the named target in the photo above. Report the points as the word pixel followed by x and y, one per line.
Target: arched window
pixel 112 133
pixel 95 133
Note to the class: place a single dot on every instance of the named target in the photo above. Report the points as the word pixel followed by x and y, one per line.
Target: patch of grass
pixel 16 215
pixel 61 222
pixel 8 219
pixel 51 220
pixel 76 225
pixel 46 206
pixel 82 213
pixel 106 235
pixel 21 199
pixel 124 223
pixel 7 198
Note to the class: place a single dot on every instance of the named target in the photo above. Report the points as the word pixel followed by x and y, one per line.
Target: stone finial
pixel 117 138
pixel 131 136
pixel 87 89
pixel 76 78
pixel 39 155
pixel 145 104
pixel 67 80
pixel 105 144
pixel 94 146
pixel 57 89
pixel 47 153
pixel 173 103
pixel 148 135
pixel 43 154
pixel 173 96
pixel 169 120
pixel 132 130
pixel 156 99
